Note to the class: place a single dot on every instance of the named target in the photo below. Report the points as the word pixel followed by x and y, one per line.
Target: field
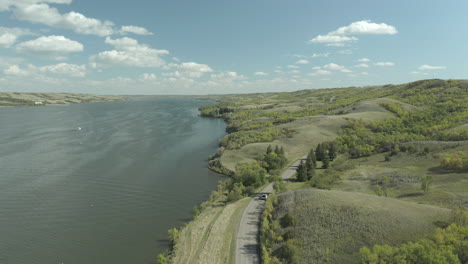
pixel 30 99
pixel 404 171
pixel 331 226
pixel 210 238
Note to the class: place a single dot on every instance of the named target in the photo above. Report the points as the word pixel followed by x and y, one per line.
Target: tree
pixel 162 259
pixel 173 236
pixel 426 182
pixel 281 151
pixel 274 160
pixel 447 246
pixel 269 149
pixel 301 172
pixel 319 152
pixel 250 174
pixel 279 185
pixel 237 192
pixel 310 167
pixel 332 151
pixel 312 157
pixel 277 149
pixel 326 162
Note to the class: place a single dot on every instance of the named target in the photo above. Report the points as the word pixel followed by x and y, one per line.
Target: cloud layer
pixel 50 45
pixel 344 34
pixel 128 52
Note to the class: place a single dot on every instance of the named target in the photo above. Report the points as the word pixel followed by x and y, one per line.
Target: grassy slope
pixel 20 99
pixel 210 238
pixel 332 225
pixel 311 130
pixel 404 170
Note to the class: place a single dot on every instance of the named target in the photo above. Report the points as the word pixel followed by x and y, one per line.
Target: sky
pixel 222 47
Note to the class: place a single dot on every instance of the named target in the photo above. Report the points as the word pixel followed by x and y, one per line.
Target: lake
pixel 101 183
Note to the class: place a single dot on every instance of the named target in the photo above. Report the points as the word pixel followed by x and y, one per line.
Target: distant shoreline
pixel 12 99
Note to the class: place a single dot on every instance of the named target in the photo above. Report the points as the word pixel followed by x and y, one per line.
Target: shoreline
pixel 15 99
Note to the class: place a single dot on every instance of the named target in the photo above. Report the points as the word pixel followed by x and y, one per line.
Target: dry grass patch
pixel 404 171
pixel 210 238
pixel 330 226
pixel 18 99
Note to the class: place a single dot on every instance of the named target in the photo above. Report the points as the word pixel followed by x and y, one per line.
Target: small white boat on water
pixel 78 128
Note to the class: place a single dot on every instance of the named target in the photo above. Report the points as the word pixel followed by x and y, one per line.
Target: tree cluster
pixel 274 159
pixel 447 246
pixel 324 152
pixel 238 139
pixel 457 161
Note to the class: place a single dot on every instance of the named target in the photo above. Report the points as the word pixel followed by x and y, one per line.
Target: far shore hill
pixel 40 99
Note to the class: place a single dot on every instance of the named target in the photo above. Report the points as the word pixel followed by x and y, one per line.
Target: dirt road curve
pixel 247 244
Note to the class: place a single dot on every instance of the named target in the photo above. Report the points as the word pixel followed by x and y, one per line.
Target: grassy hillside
pixel 301 119
pixel 30 99
pixel 404 171
pixel 210 238
pixel 331 226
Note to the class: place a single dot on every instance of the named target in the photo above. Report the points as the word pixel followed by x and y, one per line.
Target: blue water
pixel 107 193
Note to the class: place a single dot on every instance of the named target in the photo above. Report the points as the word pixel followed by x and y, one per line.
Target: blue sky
pixel 206 47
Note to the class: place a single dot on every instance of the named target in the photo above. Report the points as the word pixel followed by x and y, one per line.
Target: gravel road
pixel 247 241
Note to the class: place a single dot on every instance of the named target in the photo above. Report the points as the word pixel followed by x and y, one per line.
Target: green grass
pixel 211 236
pixel 330 226
pixel 404 170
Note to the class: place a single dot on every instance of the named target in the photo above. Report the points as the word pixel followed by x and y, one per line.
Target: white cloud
pixel 342 35
pixel 278 71
pixel 316 55
pixel 320 72
pixel 7 4
pixel 227 77
pixel 302 62
pixel 40 12
pixel 332 39
pixel 365 27
pixel 346 52
pixel 148 77
pixel 135 30
pixel 260 74
pixel 128 52
pixel 362 65
pixel 363 60
pixel 336 67
pixel 63 69
pixel 50 45
pixel 364 73
pixel 429 67
pixel 316 68
pixel 294 72
pixel 15 70
pixel 72 70
pixel 193 70
pixel 336 45
pixel 7 39
pixel 419 73
pixel 293 67
pixel 9 36
pixel 384 64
